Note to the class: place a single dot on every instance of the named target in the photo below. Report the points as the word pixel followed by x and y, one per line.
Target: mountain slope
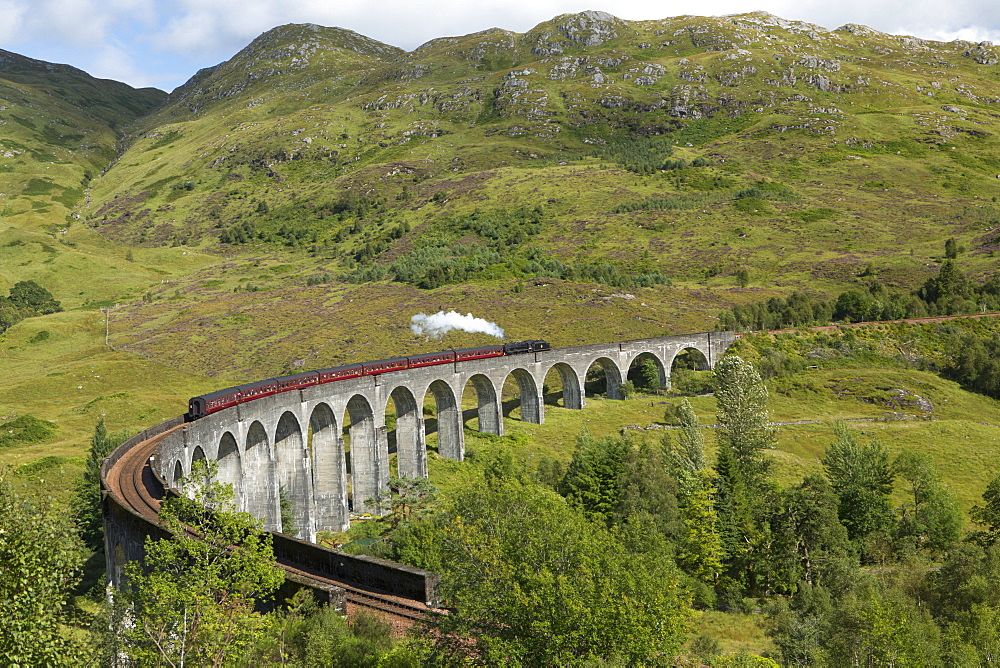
pixel 58 129
pixel 760 98
pixel 662 164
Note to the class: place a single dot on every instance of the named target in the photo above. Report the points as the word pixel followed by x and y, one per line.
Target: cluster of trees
pixel 950 292
pixel 24 300
pixel 678 203
pixel 302 221
pixel 532 559
pixel 490 246
pixel 642 155
pixel 645 155
pixel 975 359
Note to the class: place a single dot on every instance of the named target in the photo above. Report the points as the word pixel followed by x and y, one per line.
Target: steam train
pixel 206 404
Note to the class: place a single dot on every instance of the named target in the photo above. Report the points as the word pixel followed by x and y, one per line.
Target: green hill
pixel 59 130
pixel 656 158
pixel 590 179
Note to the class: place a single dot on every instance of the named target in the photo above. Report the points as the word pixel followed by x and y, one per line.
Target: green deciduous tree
pixel 33 297
pixel 988 514
pixel 861 476
pixel 307 635
pixel 818 548
pixel 534 582
pixel 39 561
pixel 933 518
pixel 951 248
pixel 744 422
pixel 880 625
pixel 192 600
pixel 964 598
pixel 649 374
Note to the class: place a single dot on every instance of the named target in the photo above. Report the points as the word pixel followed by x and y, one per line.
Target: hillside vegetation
pixel 691 162
pixel 592 179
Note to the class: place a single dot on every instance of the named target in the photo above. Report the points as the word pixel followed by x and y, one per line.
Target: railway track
pixel 131 479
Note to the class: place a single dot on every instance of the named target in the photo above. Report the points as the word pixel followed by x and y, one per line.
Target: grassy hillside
pixel 654 159
pixel 591 179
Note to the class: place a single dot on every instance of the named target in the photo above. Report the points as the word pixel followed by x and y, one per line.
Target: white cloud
pixel 13 19
pixel 80 23
pixel 112 62
pixel 151 37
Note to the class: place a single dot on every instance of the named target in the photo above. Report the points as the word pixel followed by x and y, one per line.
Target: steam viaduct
pixel 292 445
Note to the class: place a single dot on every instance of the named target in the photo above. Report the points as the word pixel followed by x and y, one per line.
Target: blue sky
pixel 162 43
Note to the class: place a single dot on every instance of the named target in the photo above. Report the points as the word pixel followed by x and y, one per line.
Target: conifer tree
pixel 87 499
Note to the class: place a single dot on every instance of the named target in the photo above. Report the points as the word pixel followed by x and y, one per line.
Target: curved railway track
pixel 131 479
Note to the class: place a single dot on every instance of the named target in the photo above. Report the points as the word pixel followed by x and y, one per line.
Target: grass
pixel 71 380
pixel 735 631
pixel 187 314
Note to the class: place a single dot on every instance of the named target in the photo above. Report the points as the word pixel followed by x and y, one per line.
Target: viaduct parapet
pixel 291 445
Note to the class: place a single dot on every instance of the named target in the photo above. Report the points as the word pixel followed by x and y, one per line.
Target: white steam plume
pixel 437 325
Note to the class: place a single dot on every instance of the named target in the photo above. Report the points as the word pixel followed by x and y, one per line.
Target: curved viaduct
pixel 291 445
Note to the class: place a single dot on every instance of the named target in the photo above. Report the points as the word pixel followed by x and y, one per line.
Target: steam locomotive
pixel 206 404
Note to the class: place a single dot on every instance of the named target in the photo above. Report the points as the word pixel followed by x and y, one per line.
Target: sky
pixel 162 43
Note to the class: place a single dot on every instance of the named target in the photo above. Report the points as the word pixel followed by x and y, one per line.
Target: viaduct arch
pixel 290 448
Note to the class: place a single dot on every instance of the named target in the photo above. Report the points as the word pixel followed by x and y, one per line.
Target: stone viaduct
pixel 292 444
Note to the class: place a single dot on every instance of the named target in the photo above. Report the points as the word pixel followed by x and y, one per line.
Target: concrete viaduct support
pixel 323 452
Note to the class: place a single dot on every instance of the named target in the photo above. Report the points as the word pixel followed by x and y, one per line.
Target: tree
pixel 934 518
pixel 649 374
pixel 648 491
pixel 594 476
pixel 988 514
pixel 797 625
pixel 192 599
pixel 614 479
pixel 307 634
pixel 689 454
pixel 87 497
pixel 744 423
pixel 951 248
pixel 33 297
pixel 39 562
pixel 742 277
pixel 532 581
pixel 819 540
pixel 700 551
pixel 862 479
pixel 880 625
pixel 408 498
